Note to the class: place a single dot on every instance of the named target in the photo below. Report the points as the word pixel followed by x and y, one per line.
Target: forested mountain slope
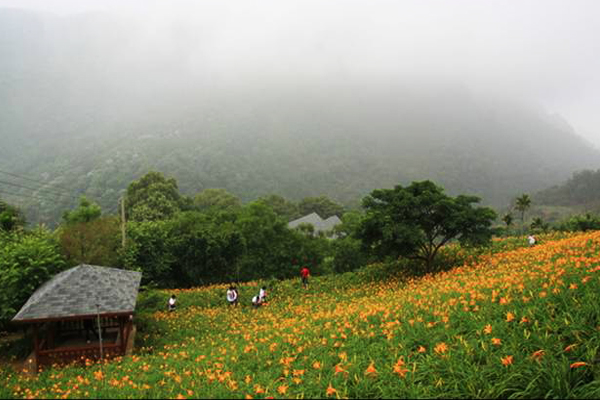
pixel 581 190
pixel 90 103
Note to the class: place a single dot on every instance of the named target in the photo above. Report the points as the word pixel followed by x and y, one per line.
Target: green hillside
pixel 516 322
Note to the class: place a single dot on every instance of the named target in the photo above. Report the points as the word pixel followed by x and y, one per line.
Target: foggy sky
pixel 544 52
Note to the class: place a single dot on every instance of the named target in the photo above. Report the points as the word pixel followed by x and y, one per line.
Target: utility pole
pixel 123 221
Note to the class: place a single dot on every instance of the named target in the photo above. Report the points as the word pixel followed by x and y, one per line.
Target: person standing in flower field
pixel 531 240
pixel 171 303
pixel 232 296
pixel 304 274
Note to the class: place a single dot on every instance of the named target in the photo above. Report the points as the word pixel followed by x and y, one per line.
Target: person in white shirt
pixel 262 294
pixel 172 302
pixel 531 240
pixel 232 296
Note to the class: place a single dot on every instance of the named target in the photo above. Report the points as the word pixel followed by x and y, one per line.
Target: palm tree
pixel 522 204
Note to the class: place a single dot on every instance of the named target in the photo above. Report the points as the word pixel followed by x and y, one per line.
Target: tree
pixel 282 207
pixel 538 224
pixel 216 199
pixel 206 248
pixel 418 220
pixel 522 204
pixel 508 219
pixel 86 211
pixel 153 197
pixel 95 242
pixel 11 217
pixel 322 205
pixel 26 261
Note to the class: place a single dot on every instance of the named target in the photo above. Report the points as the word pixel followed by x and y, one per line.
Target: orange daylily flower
pixel 570 347
pixel 330 390
pixel 440 348
pixel 510 316
pixel 282 389
pixel 496 341
pixel 537 355
pixel 508 360
pixel 578 364
pixel 339 369
pixel 371 371
pixel 488 329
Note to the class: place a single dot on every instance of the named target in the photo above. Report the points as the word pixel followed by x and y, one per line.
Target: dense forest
pixel 94 124
pixel 582 190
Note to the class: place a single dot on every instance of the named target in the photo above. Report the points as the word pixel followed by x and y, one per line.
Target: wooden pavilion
pixel 65 313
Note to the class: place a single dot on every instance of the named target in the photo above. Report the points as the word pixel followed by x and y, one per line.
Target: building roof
pixel 84 290
pixel 319 223
pixel 313 219
pixel 331 222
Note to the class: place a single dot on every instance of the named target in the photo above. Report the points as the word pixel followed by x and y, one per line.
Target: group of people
pixel 233 295
pixel 257 301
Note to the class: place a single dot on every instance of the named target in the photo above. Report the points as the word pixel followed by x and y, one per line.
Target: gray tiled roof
pixel 312 218
pixel 78 290
pixel 315 220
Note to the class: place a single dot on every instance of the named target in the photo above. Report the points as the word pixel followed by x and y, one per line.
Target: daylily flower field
pixel 517 323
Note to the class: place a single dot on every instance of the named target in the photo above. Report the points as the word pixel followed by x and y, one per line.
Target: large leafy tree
pixel 322 205
pixel 417 220
pixel 153 197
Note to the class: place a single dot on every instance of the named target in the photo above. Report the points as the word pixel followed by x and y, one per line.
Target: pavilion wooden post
pixel 36 343
pixel 122 334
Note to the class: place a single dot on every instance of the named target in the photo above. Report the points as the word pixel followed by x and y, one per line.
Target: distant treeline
pixel 180 241
pixel 583 188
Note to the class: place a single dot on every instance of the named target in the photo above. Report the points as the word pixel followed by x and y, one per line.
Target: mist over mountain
pixel 91 102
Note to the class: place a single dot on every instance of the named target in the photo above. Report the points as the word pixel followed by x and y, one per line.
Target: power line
pixel 31 180
pixel 7 193
pixel 37 189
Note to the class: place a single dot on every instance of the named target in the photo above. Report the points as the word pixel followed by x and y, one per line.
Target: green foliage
pixel 583 188
pixel 269 243
pixel 96 242
pixel 26 261
pixel 153 197
pixel 322 205
pixel 216 200
pixel 348 254
pixel 205 248
pixel 507 219
pixel 149 249
pixel 87 211
pixel 522 204
pixel 11 217
pixel 538 225
pixel 581 223
pixel 418 220
pixel 282 207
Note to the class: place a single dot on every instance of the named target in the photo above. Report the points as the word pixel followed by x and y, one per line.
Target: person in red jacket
pixel 304 274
